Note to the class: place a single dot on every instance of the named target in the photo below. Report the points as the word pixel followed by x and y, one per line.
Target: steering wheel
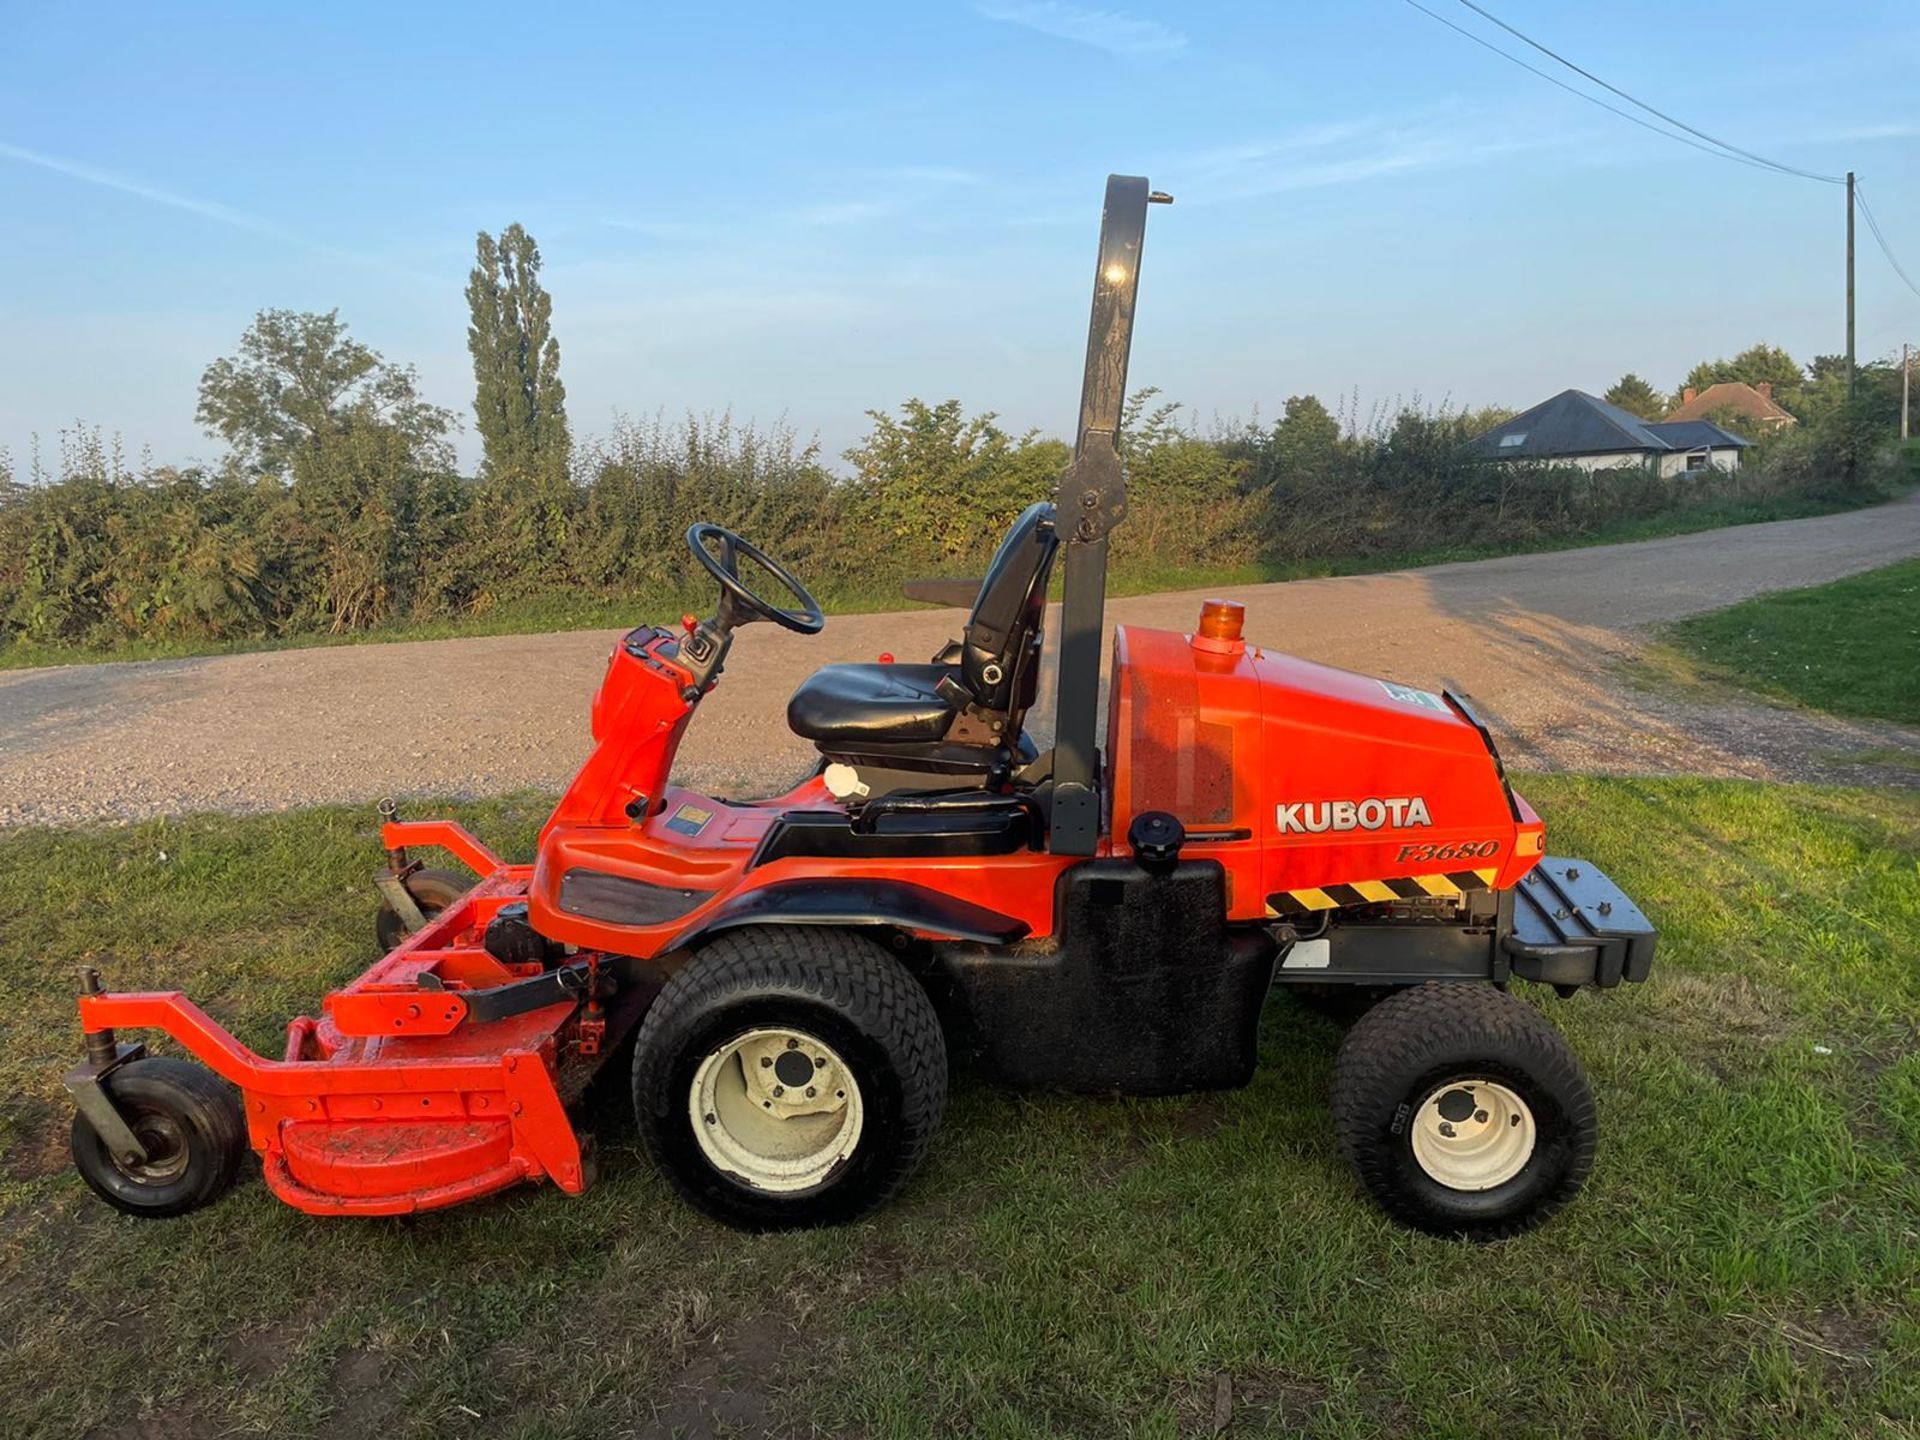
pixel 736 598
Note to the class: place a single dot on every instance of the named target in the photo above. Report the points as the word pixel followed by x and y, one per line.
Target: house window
pixel 1509 442
pixel 1699 460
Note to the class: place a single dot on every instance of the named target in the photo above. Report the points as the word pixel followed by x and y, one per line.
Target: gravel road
pixel 1536 641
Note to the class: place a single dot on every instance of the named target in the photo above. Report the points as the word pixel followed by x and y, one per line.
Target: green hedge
pixel 365 533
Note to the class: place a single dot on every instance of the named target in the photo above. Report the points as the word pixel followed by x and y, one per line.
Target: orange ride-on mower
pixel 799 967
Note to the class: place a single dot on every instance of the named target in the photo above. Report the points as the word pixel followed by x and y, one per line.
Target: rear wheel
pixel 191 1126
pixel 1463 1111
pixel 789 1076
pixel 432 890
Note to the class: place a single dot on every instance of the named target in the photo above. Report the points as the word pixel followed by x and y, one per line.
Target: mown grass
pixel 1745 1262
pixel 551 613
pixel 1851 647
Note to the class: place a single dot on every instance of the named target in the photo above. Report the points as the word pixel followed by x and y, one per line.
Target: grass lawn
pixel 1745 1262
pixel 1852 647
pixel 573 612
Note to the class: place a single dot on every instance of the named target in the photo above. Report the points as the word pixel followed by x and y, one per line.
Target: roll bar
pixel 1091 499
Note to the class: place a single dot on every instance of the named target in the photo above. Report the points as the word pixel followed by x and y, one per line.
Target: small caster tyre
pixel 432 890
pixel 190 1122
pixel 790 1076
pixel 1463 1112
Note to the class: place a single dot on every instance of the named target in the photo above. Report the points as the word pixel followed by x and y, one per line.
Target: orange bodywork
pixel 1292 775
pixel 1260 748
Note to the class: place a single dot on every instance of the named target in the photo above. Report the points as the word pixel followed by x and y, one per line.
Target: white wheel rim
pixel 759 1119
pixel 1473 1134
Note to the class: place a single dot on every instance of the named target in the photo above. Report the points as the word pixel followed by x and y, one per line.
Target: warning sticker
pixel 689 819
pixel 1407 695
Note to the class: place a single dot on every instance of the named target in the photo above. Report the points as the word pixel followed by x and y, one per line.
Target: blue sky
pixel 810 210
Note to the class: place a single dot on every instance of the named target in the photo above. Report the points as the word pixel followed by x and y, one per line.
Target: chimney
pixel 1687 398
pixel 1765 387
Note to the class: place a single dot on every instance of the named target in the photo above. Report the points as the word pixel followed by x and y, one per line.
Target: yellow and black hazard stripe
pixel 1377 892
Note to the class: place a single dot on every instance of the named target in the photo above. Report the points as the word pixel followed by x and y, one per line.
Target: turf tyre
pixel 194 1130
pixel 1404 1050
pixel 836 985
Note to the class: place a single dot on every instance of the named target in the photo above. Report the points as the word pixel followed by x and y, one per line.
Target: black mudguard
pixel 1148 992
pixel 858 902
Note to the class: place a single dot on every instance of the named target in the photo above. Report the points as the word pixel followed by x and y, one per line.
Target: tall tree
pixel 1637 397
pixel 521 404
pixel 300 380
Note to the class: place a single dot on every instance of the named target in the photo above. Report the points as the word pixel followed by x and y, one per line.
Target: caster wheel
pixel 432 890
pixel 190 1122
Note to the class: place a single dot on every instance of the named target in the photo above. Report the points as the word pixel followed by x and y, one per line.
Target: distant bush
pixel 367 528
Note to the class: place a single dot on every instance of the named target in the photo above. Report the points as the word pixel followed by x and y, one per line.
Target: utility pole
pixel 1906 378
pixel 1850 285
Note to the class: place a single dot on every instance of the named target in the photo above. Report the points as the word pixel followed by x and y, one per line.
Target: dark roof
pixel 1694 434
pixel 1571 423
pixel 1576 423
pixel 1734 395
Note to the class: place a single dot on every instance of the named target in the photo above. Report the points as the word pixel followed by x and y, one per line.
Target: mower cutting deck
pixel 1106 920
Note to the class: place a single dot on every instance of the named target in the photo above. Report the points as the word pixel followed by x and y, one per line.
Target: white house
pixel 1575 428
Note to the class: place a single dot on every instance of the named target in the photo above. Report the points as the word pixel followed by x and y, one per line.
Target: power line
pixel 1486 44
pixel 1693 136
pixel 1881 240
pixel 1631 100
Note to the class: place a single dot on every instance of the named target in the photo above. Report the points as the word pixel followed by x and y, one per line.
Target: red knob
pixel 886 657
pixel 689 623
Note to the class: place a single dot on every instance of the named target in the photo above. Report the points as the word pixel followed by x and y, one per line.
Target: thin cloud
pixel 127 185
pixel 662 229
pixel 1114 31
pixel 1321 156
pixel 192 205
pixel 842 212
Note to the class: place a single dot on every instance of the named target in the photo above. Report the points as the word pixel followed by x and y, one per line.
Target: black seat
pixel 972 696
pixel 872 702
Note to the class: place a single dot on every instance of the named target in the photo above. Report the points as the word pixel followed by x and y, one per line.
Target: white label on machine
pixel 1407 695
pixel 1308 955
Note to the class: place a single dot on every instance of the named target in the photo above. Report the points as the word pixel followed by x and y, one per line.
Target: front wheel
pixel 1463 1111
pixel 789 1076
pixel 191 1126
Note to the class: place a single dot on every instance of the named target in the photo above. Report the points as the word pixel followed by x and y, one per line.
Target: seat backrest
pixel 999 649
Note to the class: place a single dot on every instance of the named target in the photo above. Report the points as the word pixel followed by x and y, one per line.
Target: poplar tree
pixel 518 397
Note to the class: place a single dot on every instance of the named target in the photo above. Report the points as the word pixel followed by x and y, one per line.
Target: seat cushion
pixel 871 702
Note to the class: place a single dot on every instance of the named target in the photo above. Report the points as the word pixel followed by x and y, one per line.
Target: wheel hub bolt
pixel 778 1091
pixel 1480 1116
pixel 792 1044
pixel 811 1092
pixel 766 1062
pixel 1446 1128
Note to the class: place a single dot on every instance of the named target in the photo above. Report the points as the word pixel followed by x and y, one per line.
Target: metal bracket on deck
pixel 393 888
pixel 91 1099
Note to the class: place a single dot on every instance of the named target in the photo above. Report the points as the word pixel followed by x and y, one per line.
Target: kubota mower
pixel 800 968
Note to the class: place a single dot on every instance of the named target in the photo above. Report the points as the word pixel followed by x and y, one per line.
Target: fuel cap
pixel 1156 838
